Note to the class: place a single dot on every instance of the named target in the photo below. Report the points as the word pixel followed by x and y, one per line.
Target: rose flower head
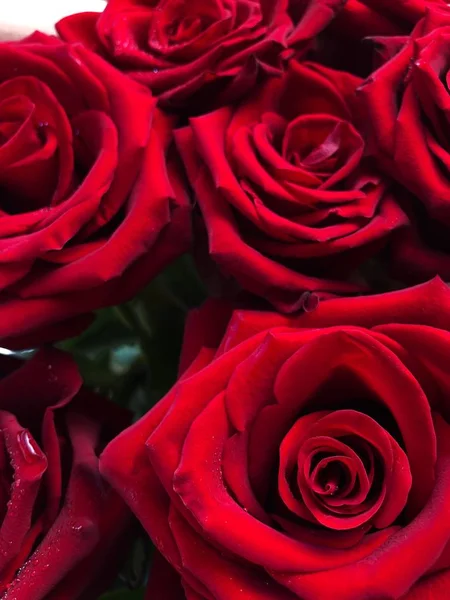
pixel 194 56
pixel 289 202
pixel 404 106
pixel 91 204
pixel 302 457
pixel 63 530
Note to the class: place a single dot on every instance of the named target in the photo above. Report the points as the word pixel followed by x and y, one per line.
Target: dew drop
pixel 309 301
pixel 27 445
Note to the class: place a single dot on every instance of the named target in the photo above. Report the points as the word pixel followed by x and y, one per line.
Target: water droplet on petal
pixel 309 301
pixel 28 446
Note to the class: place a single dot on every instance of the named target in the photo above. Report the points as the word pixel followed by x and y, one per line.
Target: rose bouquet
pixel 224 300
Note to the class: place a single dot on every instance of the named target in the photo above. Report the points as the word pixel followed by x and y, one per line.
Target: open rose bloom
pixel 289 201
pixel 193 56
pixel 405 106
pixel 63 531
pixel 91 201
pixel 304 457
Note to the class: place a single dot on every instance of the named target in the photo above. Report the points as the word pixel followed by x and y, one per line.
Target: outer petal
pixel 425 304
pixel 434 587
pixel 204 328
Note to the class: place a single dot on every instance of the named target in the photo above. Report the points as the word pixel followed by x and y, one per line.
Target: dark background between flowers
pixel 130 354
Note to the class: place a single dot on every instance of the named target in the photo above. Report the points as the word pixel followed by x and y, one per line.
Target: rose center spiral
pixel 338 469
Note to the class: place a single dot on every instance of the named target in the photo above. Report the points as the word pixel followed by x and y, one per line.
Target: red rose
pixel 63 528
pixel 91 203
pixel 193 56
pixel 288 201
pixel 405 106
pixel 307 457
